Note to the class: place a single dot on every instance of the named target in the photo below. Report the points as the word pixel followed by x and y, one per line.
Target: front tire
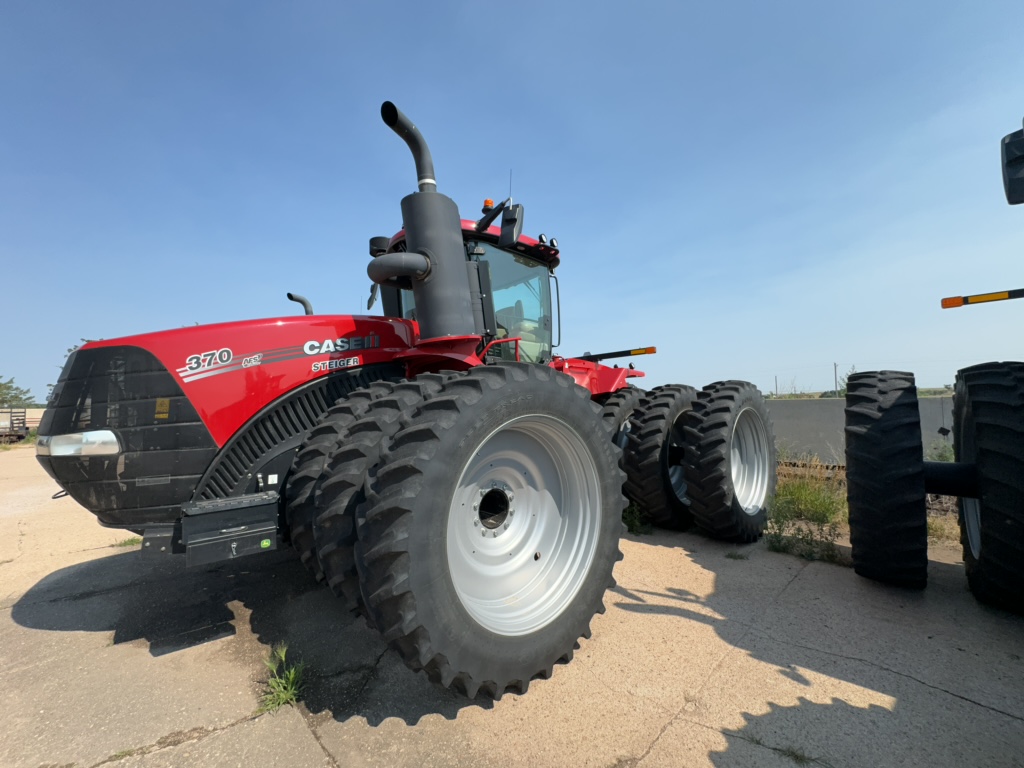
pixel 988 431
pixel 491 528
pixel 304 480
pixel 343 487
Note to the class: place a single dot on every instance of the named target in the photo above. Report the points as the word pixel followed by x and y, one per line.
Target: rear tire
pixel 307 473
pixel 617 410
pixel 730 461
pixel 491 528
pixel 988 431
pixel 885 487
pixel 656 480
pixel 344 479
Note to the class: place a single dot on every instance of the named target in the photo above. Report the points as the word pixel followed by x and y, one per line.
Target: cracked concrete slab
pixel 755 659
pixel 269 741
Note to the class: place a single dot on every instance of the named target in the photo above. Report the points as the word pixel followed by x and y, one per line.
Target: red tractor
pixel 440 466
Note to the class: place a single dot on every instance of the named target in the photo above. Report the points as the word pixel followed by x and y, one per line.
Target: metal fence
pixel 816 426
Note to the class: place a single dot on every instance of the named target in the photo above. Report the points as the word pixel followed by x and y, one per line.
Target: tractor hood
pixel 230 371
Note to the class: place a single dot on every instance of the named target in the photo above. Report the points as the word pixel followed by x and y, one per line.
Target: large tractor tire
pixel 617 410
pixel 308 468
pixel 656 480
pixel 988 431
pixel 730 461
pixel 885 486
pixel 491 528
pixel 343 487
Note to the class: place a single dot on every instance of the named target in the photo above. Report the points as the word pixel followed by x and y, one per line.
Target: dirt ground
pixel 709 654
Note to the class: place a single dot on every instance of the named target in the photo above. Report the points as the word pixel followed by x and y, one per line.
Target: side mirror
pixel 511 226
pixel 1013 167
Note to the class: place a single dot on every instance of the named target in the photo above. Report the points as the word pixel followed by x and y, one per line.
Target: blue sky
pixel 759 190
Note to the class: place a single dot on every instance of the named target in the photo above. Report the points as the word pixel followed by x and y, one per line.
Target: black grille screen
pixel 166 447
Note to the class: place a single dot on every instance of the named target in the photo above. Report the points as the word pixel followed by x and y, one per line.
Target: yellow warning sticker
pixel 163 408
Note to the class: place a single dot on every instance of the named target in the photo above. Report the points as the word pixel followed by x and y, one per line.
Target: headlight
pixel 100 442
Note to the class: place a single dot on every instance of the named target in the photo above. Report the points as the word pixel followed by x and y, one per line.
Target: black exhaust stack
pixel 435 258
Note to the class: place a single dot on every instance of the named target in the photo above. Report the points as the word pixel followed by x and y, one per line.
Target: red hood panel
pixel 231 371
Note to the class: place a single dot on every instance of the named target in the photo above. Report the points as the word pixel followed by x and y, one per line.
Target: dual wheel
pixel 702 458
pixel 888 480
pixel 474 518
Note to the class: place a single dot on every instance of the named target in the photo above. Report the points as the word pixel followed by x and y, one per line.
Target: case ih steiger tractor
pixel 439 467
pixel 888 480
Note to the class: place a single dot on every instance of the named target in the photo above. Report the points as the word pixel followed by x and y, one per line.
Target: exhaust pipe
pixel 435 258
pixel 396 120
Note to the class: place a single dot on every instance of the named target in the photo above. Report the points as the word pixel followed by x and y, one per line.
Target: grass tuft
pixel 805 516
pixel 635 521
pixel 944 528
pixel 285 682
pixel 939 450
pixel 133 541
pixel 737 556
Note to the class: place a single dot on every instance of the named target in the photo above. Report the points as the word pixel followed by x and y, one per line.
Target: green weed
pixel 944 528
pixel 805 516
pixel 133 541
pixel 737 556
pixel 635 521
pixel 285 682
pixel 939 450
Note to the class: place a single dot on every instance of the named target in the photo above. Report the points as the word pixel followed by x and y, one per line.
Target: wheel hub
pixel 494 508
pixel 523 524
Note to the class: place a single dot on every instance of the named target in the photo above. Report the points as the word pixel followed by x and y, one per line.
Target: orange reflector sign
pixel 983 297
pixel 953 301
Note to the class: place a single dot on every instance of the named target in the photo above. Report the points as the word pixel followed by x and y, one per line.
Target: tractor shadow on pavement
pixel 251 605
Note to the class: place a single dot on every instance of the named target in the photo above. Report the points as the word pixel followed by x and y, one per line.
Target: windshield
pixel 522 299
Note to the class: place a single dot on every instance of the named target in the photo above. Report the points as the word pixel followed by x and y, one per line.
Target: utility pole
pixel 776 386
pixel 835 374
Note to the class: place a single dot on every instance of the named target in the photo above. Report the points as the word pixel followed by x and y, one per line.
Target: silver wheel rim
pixel 971 507
pixel 676 473
pixel 523 525
pixel 748 459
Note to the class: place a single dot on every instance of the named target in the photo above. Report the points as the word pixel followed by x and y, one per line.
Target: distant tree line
pixel 13 396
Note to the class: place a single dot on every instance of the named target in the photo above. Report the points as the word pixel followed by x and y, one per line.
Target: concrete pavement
pixel 708 655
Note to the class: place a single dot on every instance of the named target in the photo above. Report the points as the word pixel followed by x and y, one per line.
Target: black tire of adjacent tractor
pixel 885 488
pixel 656 480
pixel 491 528
pixel 617 410
pixel 988 431
pixel 307 470
pixel 344 479
pixel 730 461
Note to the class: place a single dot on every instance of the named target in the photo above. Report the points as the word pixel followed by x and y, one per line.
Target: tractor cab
pixel 511 287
